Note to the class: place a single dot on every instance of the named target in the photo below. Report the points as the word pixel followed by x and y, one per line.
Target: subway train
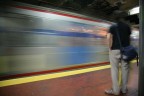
pixel 36 39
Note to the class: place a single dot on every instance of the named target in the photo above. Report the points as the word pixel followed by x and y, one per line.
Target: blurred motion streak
pixel 35 39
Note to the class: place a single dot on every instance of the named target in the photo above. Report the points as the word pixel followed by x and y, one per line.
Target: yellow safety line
pixel 50 76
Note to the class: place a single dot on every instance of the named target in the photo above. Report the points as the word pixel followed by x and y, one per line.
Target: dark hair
pixel 119 15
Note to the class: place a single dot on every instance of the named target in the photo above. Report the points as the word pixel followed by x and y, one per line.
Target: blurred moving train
pixel 34 39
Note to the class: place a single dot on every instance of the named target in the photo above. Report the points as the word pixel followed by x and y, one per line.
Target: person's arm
pixel 110 40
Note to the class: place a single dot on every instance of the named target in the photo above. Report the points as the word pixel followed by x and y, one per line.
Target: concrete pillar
pixel 141 51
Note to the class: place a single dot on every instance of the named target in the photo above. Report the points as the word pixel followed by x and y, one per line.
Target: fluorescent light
pixel 134 11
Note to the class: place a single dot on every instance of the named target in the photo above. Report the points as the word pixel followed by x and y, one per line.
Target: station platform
pixel 86 84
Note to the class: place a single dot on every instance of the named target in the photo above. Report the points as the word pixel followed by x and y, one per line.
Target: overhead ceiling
pixel 97 8
pixel 80 4
pixel 127 4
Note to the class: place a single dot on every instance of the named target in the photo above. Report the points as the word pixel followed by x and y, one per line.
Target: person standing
pixel 124 32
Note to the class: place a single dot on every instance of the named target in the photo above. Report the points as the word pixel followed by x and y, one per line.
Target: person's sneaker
pixel 110 92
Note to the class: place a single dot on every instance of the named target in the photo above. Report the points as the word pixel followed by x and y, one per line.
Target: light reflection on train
pixel 35 39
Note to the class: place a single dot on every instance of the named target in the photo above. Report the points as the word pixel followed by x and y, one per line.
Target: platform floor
pixel 87 84
pixel 98 81
pixel 132 84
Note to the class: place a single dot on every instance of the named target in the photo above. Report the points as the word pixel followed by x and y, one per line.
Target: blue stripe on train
pixel 54 32
pixel 64 33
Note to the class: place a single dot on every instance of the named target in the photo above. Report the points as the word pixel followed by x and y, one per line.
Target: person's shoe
pixel 110 92
pixel 124 92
